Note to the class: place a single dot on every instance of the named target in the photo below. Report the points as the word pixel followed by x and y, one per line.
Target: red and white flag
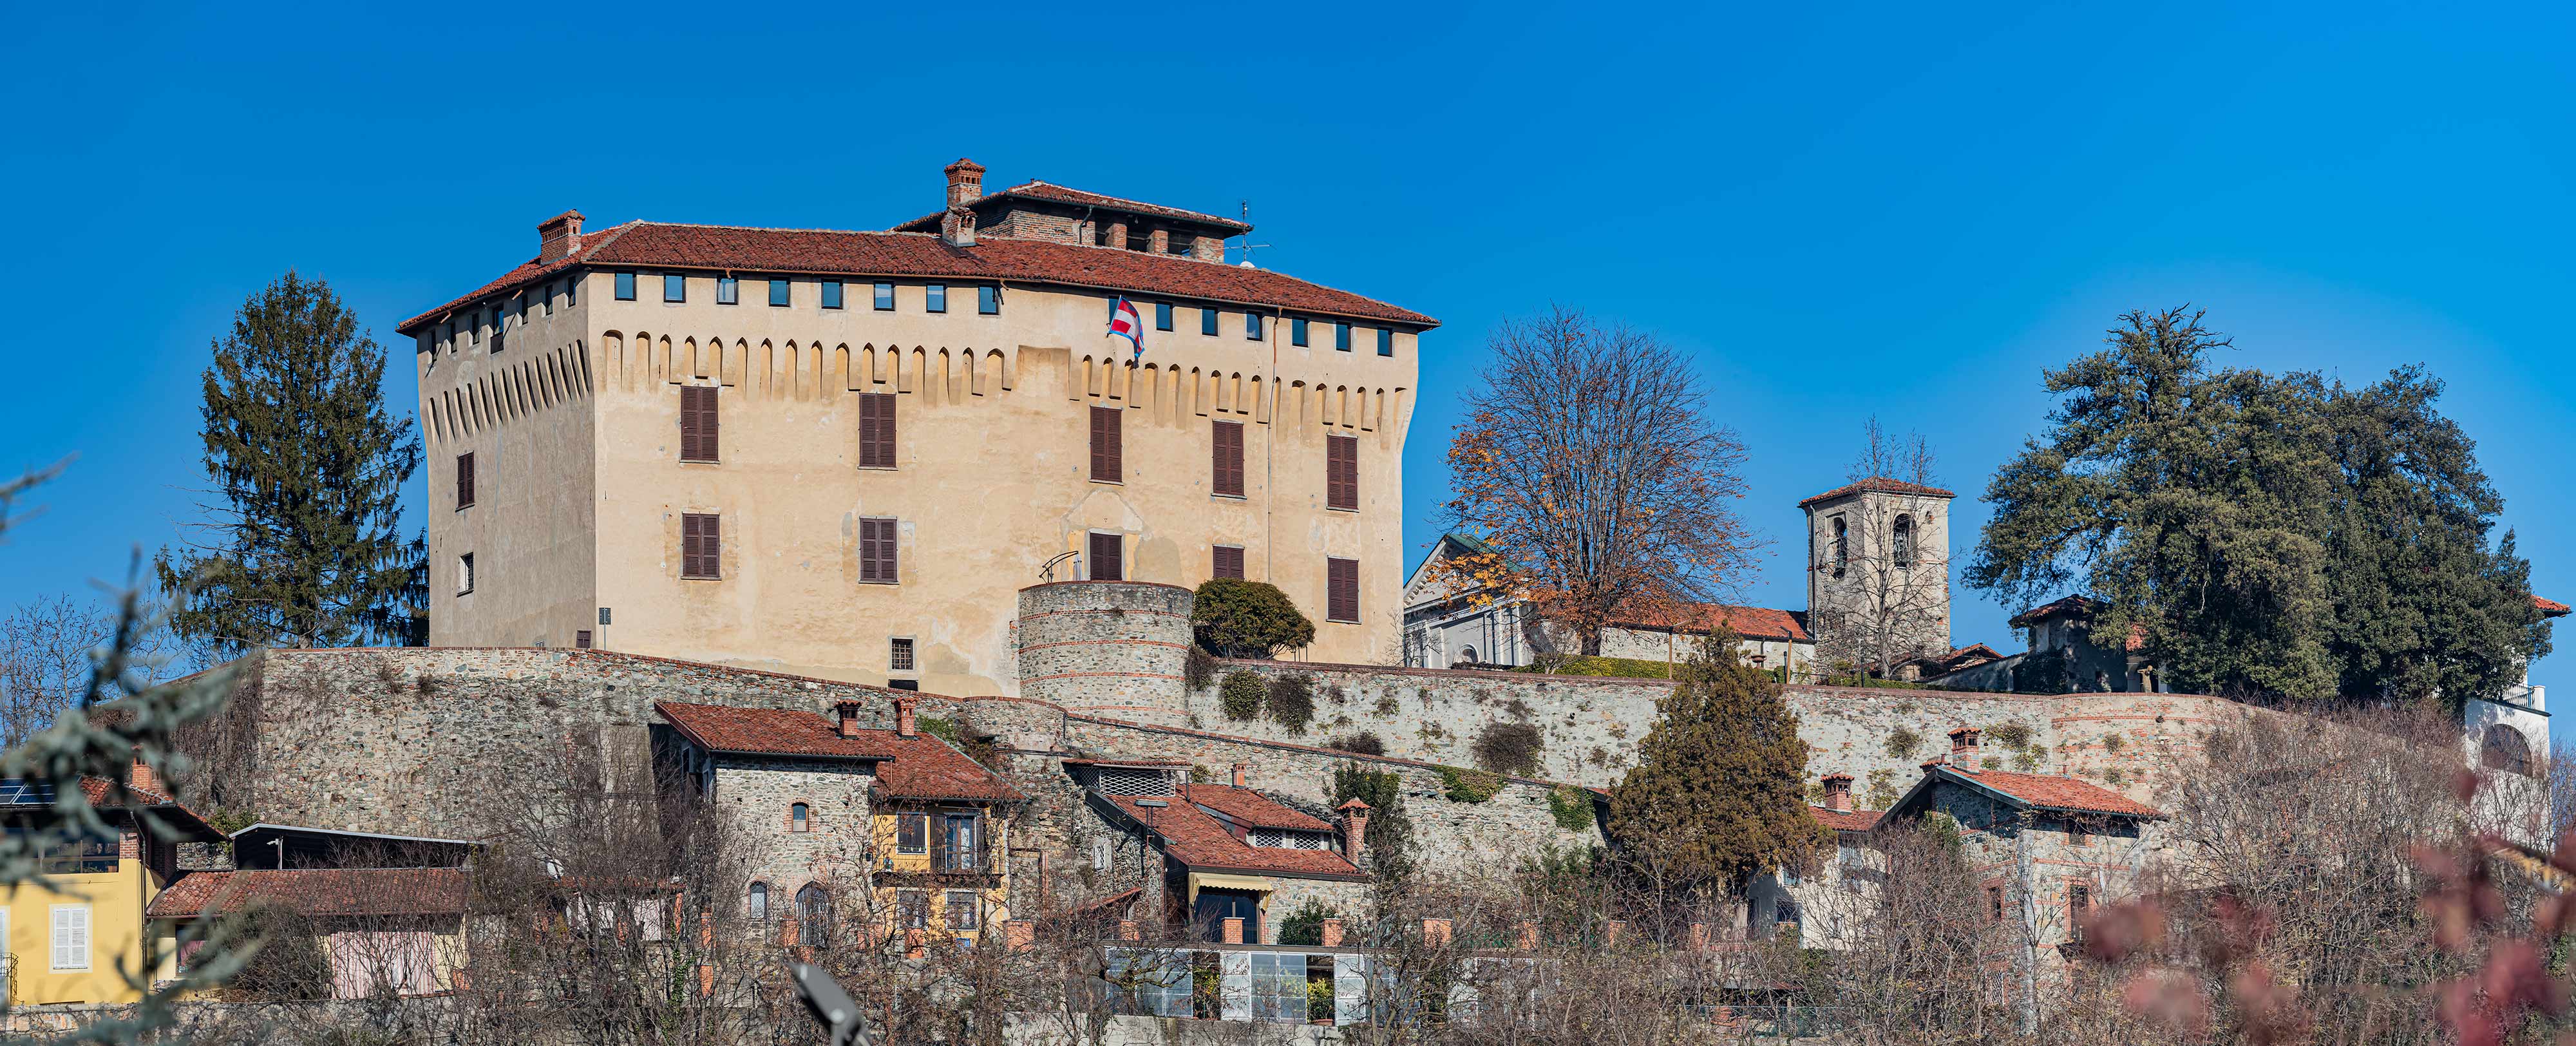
pixel 1124 323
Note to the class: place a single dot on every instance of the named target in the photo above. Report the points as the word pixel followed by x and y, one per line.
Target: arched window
pixel 2504 749
pixel 813 915
pixel 1842 546
pixel 1467 655
pixel 1902 541
pixel 757 907
pixel 799 817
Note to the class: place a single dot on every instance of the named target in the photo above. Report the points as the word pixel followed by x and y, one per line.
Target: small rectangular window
pixel 464 480
pixel 934 297
pixel 1229 562
pixel 626 286
pixel 550 299
pixel 1385 342
pixel 698 428
pixel 877 552
pixel 1994 904
pixel 465 574
pixel 1342 589
pixel 912 833
pixel 1252 326
pixel 70 937
pixel 904 684
pixel 780 295
pixel 912 908
pixel 876 430
pixel 500 322
pixel 899 654
pixel 1162 315
pixel 1108 464
pixel 474 327
pixel 988 300
pixel 1226 464
pixel 963 907
pixel 1108 554
pixel 1207 322
pixel 831 294
pixel 581 639
pixel 727 290
pixel 1297 332
pixel 572 291
pixel 701 546
pixel 885 297
pixel 675 287
pixel 1342 336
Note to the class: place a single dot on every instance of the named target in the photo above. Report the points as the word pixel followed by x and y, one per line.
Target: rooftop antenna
pixel 1246 246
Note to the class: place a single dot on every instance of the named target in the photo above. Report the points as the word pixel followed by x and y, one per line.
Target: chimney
pixel 1435 932
pixel 1332 933
pixel 143 775
pixel 1238 774
pixel 849 713
pixel 965 182
pixel 906 724
pixel 1963 747
pixel 1838 792
pixel 558 237
pixel 1355 815
pixel 1233 931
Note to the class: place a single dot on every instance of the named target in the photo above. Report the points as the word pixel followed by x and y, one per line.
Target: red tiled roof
pixel 1250 808
pixel 316 891
pixel 1880 484
pixel 2058 607
pixel 1749 622
pixel 917 767
pixel 101 792
pixel 1846 820
pixel 836 252
pixel 1036 189
pixel 1202 842
pixel 2549 607
pixel 2052 792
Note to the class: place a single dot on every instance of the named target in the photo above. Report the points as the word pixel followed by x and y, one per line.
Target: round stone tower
pixel 1114 648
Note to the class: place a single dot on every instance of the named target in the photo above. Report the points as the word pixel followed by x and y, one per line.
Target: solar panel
pixel 15 791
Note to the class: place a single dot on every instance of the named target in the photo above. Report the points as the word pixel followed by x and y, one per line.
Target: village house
pixel 73 937
pixel 1232 862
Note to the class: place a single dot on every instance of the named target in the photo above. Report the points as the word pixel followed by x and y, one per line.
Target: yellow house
pixel 895 828
pixel 77 938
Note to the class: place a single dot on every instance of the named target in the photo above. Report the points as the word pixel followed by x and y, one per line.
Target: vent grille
pixel 1130 781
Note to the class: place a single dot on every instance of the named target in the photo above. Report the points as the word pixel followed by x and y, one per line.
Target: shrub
pixel 1903 742
pixel 1993 762
pixel 1462 785
pixel 1883 792
pixel 1364 742
pixel 943 729
pixel 1305 925
pixel 1238 618
pixel 1626 667
pixel 2015 736
pixel 1240 697
pixel 1572 807
pixel 2111 743
pixel 1291 701
pixel 2026 761
pixel 1198 670
pixel 1509 748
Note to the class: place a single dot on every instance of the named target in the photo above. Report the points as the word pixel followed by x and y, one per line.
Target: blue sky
pixel 1904 212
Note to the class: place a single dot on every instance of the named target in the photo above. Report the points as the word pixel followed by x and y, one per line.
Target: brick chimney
pixel 143 775
pixel 1238 773
pixel 849 715
pixel 1332 933
pixel 1355 815
pixel 1963 747
pixel 965 181
pixel 1838 792
pixel 906 723
pixel 558 237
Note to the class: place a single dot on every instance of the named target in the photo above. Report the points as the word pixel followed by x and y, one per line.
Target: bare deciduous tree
pixel 1889 587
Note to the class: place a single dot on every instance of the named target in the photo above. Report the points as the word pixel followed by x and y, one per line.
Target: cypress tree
pixel 307 549
pixel 1718 793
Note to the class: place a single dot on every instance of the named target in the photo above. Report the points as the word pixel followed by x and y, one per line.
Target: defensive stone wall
pixel 1104 646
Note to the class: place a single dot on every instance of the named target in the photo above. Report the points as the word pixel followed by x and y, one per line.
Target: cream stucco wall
pixel 580 505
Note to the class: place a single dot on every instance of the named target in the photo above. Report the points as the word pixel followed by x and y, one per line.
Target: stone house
pixel 1818 902
pixel 1451 624
pixel 894 830
pixel 1232 861
pixel 397 930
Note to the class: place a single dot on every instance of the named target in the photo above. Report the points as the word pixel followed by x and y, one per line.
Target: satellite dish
pixel 1247 263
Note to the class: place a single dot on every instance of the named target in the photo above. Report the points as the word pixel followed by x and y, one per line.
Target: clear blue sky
pixel 1905 211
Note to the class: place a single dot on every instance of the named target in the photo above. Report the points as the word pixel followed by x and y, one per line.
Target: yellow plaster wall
pixel 115 900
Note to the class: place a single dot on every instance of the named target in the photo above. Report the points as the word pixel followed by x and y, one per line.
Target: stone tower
pixel 1878 571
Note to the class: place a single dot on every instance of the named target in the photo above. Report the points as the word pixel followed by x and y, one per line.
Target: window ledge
pixel 1229 497
pixel 877 468
pixel 701 577
pixel 701 461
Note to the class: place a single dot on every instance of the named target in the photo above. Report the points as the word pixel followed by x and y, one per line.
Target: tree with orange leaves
pixel 1588 463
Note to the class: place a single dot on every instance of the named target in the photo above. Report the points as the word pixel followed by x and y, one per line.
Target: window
pixel 572 290
pixel 2504 748
pixel 934 297
pixel 876 430
pixel 912 833
pixel 464 479
pixel 1297 332
pixel 1108 556
pixel 465 574
pixel 474 327
pixel 675 287
pixel 550 299
pixel 1229 561
pixel 2076 835
pixel 1342 336
pixel 780 295
pixel 728 290
pixel 1180 243
pixel 1342 589
pixel 701 546
pixel 1162 315
pixel 1342 473
pixel 698 423
pixel 899 654
pixel 885 297
pixel 988 300
pixel 903 684
pixel 756 907
pixel 877 563
pixel 1385 342
pixel 831 294
pixel 2079 905
pixel 1842 547
pixel 958 851
pixel 500 322
pixel 1847 851
pixel 1994 904
pixel 1252 326
pixel 800 817
pixel 1901 540
pixel 1226 464
pixel 813 915
pixel 71 937
pixel 963 908
pixel 626 286
pixel 1207 322
pixel 912 909
pixel 1107 464
pixel 581 639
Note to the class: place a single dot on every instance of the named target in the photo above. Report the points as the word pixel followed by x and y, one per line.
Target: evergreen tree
pixel 1718 793
pixel 1388 841
pixel 310 466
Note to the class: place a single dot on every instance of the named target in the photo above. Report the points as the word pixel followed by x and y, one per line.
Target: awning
pixel 1255 883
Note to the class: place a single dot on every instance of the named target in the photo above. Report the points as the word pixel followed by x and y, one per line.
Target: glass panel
pixel 988 300
pixel 675 287
pixel 936 297
pixel 831 294
pixel 885 296
pixel 626 286
pixel 778 292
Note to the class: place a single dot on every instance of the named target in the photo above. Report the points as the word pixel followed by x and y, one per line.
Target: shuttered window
pixel 1342 473
pixel 1107 464
pixel 1229 561
pixel 1342 590
pixel 876 552
pixel 70 937
pixel 697 423
pixel 464 479
pixel 1226 478
pixel 1108 557
pixel 876 430
pixel 701 545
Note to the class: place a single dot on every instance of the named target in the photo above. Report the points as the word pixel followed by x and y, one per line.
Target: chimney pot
pixel 1838 792
pixel 906 722
pixel 558 237
pixel 1238 773
pixel 848 713
pixel 965 181
pixel 1963 745
pixel 143 776
pixel 1355 815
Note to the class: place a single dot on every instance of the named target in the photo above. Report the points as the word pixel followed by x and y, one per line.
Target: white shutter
pixel 71 937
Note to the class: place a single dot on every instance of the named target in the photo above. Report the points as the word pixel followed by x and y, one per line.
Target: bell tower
pixel 1878 572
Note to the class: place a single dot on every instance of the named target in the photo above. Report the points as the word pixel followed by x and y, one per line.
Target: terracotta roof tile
pixel 2549 607
pixel 1202 842
pixel 1846 820
pixel 1036 189
pixel 2048 791
pixel 316 891
pixel 918 767
pixel 2062 606
pixel 101 792
pixel 1249 807
pixel 1749 622
pixel 1881 485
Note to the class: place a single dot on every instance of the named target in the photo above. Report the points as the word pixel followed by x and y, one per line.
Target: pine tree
pixel 310 467
pixel 1389 837
pixel 1718 793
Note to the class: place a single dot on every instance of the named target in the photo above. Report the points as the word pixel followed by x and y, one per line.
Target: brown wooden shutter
pixel 701 546
pixel 464 479
pixel 1107 465
pixel 1229 561
pixel 697 423
pixel 876 430
pixel 1342 472
pixel 1227 468
pixel 1342 590
pixel 1108 559
pixel 877 551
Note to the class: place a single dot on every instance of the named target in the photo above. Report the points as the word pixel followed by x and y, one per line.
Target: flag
pixel 1124 323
